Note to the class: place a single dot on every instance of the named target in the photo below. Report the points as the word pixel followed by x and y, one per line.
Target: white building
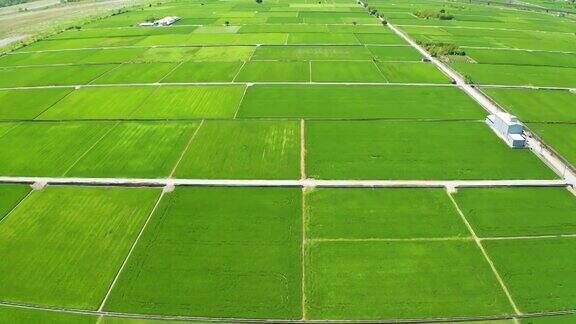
pixel 508 128
pixel 166 21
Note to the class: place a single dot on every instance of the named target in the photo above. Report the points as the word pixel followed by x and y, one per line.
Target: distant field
pixel 518 74
pixel 536 105
pixel 51 75
pixel 522 57
pixel 518 211
pixel 414 150
pixel 61 269
pixel 241 258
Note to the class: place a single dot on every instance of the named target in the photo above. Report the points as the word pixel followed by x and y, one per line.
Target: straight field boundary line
pixel 54 104
pixel 161 182
pixel 240 101
pixel 486 257
pixel 132 248
pixel 380 71
pixel 304 242
pixel 377 239
pixel 106 72
pixel 185 150
pixel 195 45
pixel 180 84
pixel 102 313
pixel 526 237
pixel 179 64
pixel 302 149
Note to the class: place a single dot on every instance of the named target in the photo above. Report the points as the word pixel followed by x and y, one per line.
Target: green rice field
pixel 290 161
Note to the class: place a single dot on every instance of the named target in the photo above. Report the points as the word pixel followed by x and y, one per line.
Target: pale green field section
pixel 539 273
pixel 28 104
pixel 562 138
pixel 537 105
pixel 241 258
pixel 68 243
pixel 518 211
pixel 395 150
pixel 352 213
pixel 307 53
pixel 243 150
pixel 191 102
pixel 394 280
pixel 126 152
pixel 136 73
pixel 204 72
pixel 412 73
pixel 273 71
pixel 326 71
pixel 99 103
pixel 10 196
pixel 46 149
pixel 358 102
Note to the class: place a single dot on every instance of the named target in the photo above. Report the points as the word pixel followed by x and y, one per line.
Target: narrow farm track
pixel 270 320
pixel 556 163
pixel 152 182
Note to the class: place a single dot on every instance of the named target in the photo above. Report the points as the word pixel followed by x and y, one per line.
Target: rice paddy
pixel 264 161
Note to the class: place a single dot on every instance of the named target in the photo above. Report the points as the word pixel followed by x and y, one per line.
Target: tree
pixel 227 23
pixel 258 1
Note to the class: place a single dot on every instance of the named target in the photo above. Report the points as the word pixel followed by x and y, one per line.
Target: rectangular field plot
pixel 393 280
pixel 522 57
pixel 380 39
pixel 63 245
pixel 322 38
pixel 518 211
pixel 51 75
pixel 241 258
pixel 544 76
pixel 346 72
pixel 346 213
pixel 10 196
pixel 46 149
pixel 16 315
pixel 204 72
pixel 136 150
pixel 99 103
pixel 275 71
pixel 172 102
pixel 539 273
pixel 27 104
pixel 414 150
pixel 412 73
pixel 243 150
pixel 395 53
pixel 71 57
pixel 136 73
pixel 307 53
pixel 536 105
pixel 358 102
pixel 562 138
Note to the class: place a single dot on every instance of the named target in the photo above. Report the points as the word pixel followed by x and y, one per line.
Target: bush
pixel 443 49
pixel 427 14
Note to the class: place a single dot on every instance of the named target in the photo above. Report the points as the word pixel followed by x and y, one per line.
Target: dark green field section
pixel 357 102
pixel 51 75
pixel 20 104
pixel 372 280
pixel 539 273
pixel 351 213
pixel 537 105
pixel 68 243
pixel 518 211
pixel 393 150
pixel 562 138
pixel 290 71
pixel 10 196
pixel 238 259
